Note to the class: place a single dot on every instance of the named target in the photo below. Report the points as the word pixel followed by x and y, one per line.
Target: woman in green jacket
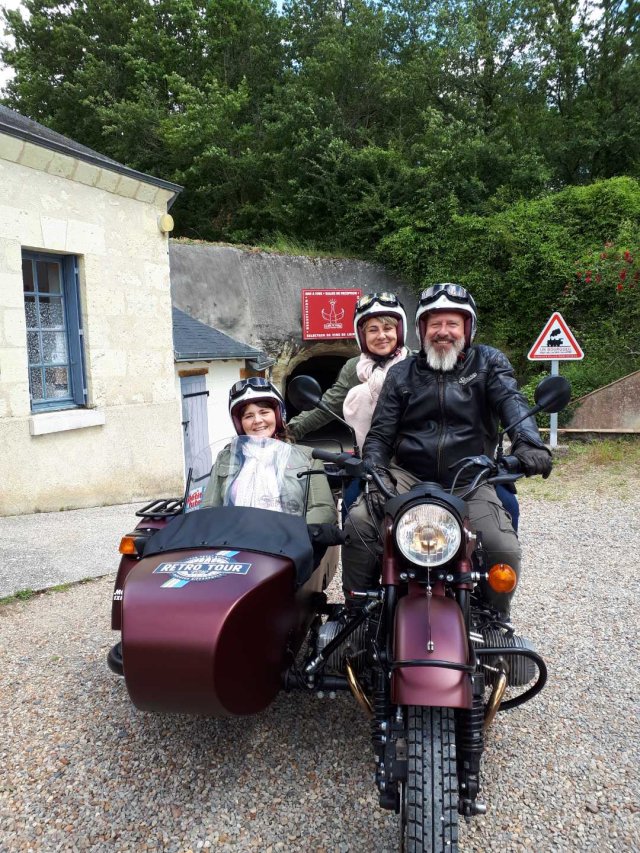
pixel 260 468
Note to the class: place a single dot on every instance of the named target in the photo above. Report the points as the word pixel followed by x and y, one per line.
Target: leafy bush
pixel 531 259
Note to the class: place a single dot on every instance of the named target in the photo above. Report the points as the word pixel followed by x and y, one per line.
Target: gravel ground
pixel 81 769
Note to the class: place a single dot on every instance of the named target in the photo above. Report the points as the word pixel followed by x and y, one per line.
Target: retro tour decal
pixel 201 568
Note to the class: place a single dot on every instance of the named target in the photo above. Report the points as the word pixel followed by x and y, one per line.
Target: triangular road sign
pixel 556 341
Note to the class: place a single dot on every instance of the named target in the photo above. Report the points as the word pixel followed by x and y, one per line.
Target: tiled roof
pixel 17 125
pixel 195 341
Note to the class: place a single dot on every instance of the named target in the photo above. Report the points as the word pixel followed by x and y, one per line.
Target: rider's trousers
pixel 361 555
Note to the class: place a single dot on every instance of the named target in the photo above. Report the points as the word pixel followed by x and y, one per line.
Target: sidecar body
pixel 215 607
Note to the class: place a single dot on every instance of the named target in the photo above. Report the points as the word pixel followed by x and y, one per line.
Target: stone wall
pixel 256 296
pixel 127 443
pixel 616 407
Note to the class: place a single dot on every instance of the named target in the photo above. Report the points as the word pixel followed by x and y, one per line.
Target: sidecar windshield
pixel 247 471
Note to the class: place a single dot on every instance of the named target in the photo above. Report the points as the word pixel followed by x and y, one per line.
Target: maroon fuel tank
pixel 430 686
pixel 205 632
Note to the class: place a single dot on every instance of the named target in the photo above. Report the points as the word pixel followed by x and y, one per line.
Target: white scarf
pixel 360 402
pixel 258 483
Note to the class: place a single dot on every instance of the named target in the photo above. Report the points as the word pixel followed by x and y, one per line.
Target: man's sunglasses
pixel 454 292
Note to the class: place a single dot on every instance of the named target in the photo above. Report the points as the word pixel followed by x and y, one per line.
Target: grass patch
pixel 27 594
pixel 594 466
pixel 282 245
pixel 279 244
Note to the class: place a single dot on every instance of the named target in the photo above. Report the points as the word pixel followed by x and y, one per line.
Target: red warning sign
pixel 556 341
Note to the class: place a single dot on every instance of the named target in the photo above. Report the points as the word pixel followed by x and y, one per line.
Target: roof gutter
pixel 94 159
pixel 207 356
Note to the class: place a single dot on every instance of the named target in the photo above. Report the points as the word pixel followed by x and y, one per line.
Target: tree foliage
pixel 479 140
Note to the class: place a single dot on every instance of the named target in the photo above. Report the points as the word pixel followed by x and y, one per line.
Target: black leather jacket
pixel 428 419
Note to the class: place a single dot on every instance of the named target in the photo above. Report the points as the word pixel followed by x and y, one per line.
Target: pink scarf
pixel 361 400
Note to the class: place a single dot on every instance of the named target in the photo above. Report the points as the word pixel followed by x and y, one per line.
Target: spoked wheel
pixel 429 797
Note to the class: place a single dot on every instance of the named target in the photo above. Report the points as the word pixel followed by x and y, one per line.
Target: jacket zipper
pixel 440 379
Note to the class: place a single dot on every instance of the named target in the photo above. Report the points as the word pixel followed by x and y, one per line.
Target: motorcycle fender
pixel 430 685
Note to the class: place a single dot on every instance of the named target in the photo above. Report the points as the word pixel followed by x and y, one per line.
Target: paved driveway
pixel 51 548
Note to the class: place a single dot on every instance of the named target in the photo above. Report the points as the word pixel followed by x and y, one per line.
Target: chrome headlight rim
pixel 453 534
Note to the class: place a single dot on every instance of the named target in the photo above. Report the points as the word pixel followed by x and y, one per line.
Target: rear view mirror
pixel 552 394
pixel 304 393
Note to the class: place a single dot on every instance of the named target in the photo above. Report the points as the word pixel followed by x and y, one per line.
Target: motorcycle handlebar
pixel 328 456
pixel 511 464
pixel 352 466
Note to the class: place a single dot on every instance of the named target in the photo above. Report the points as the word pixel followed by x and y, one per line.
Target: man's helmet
pixel 255 389
pixel 447 297
pixel 378 305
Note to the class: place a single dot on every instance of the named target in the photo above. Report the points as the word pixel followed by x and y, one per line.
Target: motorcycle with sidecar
pixel 221 607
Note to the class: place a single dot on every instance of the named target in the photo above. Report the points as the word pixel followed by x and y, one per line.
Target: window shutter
pixel 74 325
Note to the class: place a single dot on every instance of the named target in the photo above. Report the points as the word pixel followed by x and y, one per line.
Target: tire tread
pixel 432 783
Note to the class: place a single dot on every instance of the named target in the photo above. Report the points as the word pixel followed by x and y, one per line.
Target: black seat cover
pixel 242 528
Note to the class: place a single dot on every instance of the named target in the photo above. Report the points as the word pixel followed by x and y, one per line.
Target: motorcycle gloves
pixel 534 460
pixel 325 534
pixel 376 499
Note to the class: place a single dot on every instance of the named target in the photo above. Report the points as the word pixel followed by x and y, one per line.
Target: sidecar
pixel 215 607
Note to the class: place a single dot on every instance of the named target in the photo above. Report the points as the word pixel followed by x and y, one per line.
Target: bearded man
pixel 435 408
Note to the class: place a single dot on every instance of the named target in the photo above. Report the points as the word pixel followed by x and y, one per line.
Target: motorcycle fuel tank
pixel 205 632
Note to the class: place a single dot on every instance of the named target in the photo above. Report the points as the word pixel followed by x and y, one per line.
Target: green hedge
pixel 531 259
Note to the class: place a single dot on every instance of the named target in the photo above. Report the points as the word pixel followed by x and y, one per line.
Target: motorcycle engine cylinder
pixel 522 669
pixel 352 648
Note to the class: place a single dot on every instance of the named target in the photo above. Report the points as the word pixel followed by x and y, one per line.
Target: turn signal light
pixel 128 546
pixel 502 578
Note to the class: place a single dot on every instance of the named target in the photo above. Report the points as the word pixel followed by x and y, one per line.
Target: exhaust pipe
pixel 497 693
pixel 358 692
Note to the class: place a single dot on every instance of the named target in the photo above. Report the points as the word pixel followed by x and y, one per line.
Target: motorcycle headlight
pixel 428 535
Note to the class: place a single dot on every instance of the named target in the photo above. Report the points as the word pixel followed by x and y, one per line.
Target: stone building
pixel 99 381
pixel 208 362
pixel 89 410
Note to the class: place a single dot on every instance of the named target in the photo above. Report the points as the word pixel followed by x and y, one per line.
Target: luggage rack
pixel 162 508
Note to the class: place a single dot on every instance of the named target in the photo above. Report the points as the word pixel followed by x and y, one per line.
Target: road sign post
pixel 555 343
pixel 553 419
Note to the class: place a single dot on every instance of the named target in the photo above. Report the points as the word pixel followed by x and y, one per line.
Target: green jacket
pixel 333 397
pixel 321 508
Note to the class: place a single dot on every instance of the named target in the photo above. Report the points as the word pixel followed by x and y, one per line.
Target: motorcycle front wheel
pixel 429 808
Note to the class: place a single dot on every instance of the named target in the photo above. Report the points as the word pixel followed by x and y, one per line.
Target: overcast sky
pixel 5 74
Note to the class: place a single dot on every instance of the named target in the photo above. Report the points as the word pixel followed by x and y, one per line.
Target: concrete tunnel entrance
pixel 324 369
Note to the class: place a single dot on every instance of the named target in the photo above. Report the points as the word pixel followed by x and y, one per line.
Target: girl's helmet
pixel 447 297
pixel 255 389
pixel 378 305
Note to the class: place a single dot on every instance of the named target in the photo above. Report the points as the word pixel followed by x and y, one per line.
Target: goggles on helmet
pixel 258 383
pixel 453 292
pixel 384 298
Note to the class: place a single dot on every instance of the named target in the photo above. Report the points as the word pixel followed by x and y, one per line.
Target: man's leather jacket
pixel 428 419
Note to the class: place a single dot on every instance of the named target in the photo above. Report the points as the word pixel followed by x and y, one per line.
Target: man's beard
pixel 443 360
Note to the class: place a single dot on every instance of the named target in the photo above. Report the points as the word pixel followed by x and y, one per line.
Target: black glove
pixel 376 499
pixel 534 460
pixel 325 534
